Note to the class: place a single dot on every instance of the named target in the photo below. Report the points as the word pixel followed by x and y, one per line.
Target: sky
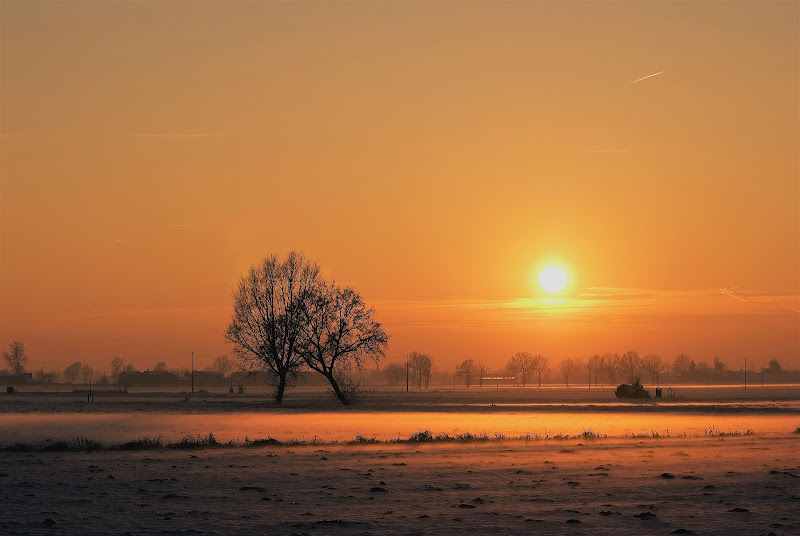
pixel 434 156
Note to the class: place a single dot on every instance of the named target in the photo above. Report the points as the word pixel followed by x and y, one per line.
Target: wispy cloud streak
pixel 646 77
pixel 185 136
pixel 607 307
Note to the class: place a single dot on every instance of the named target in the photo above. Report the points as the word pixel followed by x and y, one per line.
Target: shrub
pixel 632 391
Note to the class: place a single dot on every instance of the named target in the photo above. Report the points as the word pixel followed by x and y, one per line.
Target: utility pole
pixel 193 372
pixel 745 373
pixel 406 372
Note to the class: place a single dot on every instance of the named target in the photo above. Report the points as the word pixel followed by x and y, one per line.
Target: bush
pixel 632 391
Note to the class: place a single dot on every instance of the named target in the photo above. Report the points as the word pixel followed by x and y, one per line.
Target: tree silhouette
pixel 16 357
pixel 631 365
pixel 568 368
pixel 683 364
pixel 595 363
pixel 338 331
pixel 482 370
pixel 612 364
pixel 466 370
pixel 117 366
pixel 72 372
pixel 521 363
pixel 394 373
pixel 541 366
pixel 420 368
pixel 268 309
pixel 222 365
pixel 652 364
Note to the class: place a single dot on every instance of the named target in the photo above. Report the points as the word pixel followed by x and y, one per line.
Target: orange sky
pixel 434 156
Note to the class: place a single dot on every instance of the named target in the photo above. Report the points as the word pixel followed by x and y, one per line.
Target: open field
pixel 717 461
pixel 394 400
pixel 730 485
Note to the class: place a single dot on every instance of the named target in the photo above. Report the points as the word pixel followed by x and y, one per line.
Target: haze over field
pixel 436 157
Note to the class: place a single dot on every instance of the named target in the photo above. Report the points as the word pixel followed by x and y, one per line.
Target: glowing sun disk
pixel 553 279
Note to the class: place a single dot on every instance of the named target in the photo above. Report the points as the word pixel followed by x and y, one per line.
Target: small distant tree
pixel 541 366
pixel 612 363
pixel 683 364
pixel 395 374
pixel 73 372
pixel 652 365
pixel 466 370
pixel 631 365
pixel 482 370
pixel 223 366
pixel 595 364
pixel 522 364
pixel 420 368
pixel 568 368
pixel 719 366
pixel 86 373
pixel 117 366
pixel 160 367
pixel 774 367
pixel 16 358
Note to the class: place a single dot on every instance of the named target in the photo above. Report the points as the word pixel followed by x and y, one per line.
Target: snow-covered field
pixel 730 485
pixel 696 483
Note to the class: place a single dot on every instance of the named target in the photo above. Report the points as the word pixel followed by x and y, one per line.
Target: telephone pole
pixel 745 373
pixel 406 373
pixel 193 372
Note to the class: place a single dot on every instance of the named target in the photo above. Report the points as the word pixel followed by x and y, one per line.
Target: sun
pixel 553 279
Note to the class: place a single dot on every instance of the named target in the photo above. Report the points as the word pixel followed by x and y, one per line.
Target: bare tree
pixel 268 309
pixel 86 373
pixel 652 365
pixel 612 364
pixel 482 370
pixel 683 364
pixel 719 366
pixel 160 367
pixel 568 368
pixel 466 370
pixel 420 368
pixel 16 357
pixel 339 331
pixel 395 373
pixel 72 372
pixel 541 366
pixel 521 363
pixel 631 365
pixel 595 364
pixel 117 366
pixel 222 365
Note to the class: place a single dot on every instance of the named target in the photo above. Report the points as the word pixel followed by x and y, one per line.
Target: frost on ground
pixel 700 485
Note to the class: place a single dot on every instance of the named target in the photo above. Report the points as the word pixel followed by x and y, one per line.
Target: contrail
pixel 605 151
pixel 186 136
pixel 732 293
pixel 644 77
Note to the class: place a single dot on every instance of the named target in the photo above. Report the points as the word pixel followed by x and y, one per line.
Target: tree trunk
pixel 281 389
pixel 338 392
